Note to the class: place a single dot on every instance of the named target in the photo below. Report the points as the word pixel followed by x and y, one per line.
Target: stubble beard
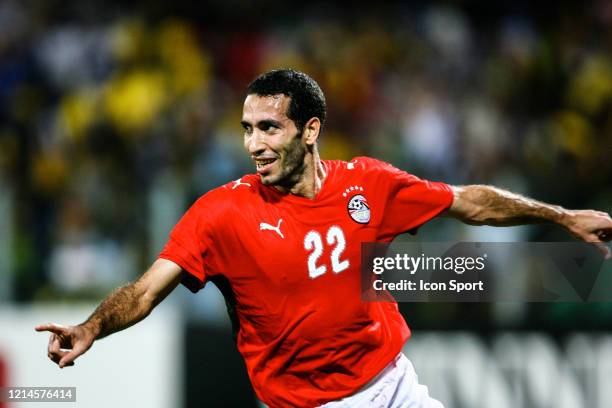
pixel 292 165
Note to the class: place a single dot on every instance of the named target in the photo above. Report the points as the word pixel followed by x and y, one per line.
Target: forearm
pixel 486 205
pixel 121 309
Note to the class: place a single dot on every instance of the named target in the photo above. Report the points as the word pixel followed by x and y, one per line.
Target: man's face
pixel 273 140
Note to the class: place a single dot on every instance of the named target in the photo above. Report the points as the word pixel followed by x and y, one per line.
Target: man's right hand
pixel 124 307
pixel 66 343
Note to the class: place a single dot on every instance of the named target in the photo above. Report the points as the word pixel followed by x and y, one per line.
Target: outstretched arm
pixel 121 309
pixel 486 205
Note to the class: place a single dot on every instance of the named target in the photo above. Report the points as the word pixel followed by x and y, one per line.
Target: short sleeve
pixel 189 245
pixel 411 201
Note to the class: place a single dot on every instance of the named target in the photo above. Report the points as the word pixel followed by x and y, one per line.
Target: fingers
pixel 57 357
pixel 58 340
pixel 55 353
pixel 601 245
pixel 605 235
pixel 62 333
pixel 52 327
pixel 603 248
pixel 66 343
pixel 54 344
pixel 69 357
pixel 598 240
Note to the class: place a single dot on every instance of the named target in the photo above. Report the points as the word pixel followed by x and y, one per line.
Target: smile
pixel 264 162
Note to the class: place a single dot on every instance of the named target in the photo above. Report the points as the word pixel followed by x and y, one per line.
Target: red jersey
pixel 293 265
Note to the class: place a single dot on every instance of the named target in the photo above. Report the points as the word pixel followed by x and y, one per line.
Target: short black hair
pixel 307 99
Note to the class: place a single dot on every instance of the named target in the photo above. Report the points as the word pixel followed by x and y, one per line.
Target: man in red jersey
pixel 284 247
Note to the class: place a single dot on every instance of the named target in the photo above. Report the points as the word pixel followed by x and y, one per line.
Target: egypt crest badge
pixel 358 209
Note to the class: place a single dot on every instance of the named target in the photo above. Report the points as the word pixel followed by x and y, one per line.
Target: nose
pixel 255 143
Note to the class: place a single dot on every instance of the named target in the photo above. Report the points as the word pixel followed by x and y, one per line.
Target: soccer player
pixel 283 245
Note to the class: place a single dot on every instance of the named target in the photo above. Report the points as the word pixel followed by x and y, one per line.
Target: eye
pixel 268 127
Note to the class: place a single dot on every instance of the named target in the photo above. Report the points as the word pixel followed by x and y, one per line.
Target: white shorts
pixel 397 386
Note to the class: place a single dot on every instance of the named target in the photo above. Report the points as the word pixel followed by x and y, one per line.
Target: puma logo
pixel 263 226
pixel 238 183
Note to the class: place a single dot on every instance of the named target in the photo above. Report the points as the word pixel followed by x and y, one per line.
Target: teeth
pixel 261 163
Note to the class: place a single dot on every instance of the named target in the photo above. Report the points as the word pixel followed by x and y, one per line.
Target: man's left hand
pixel 591 226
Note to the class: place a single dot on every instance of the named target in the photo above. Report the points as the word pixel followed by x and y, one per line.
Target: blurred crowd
pixel 113 120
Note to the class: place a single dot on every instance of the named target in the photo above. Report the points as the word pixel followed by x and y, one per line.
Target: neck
pixel 311 180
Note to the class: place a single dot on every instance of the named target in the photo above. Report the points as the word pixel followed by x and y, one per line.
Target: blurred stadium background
pixel 114 118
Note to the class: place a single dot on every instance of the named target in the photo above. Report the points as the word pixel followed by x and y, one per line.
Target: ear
pixel 311 132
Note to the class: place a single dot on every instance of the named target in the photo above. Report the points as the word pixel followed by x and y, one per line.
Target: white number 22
pixel 313 242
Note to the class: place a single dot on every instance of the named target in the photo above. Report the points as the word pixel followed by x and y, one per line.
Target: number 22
pixel 313 242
